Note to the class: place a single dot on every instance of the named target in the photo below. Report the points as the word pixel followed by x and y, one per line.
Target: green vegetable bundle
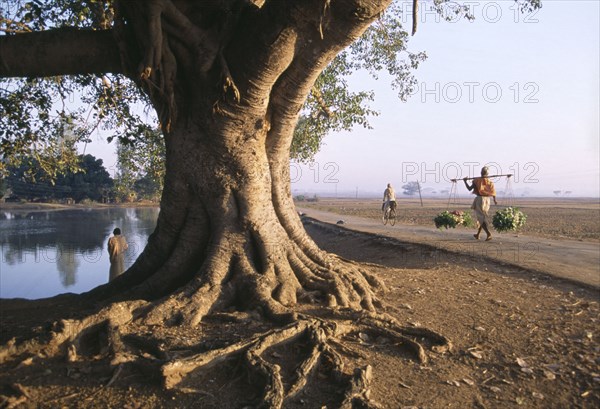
pixel 452 219
pixel 509 219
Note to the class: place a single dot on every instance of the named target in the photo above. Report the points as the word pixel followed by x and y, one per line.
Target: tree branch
pixel 415 16
pixel 325 110
pixel 59 52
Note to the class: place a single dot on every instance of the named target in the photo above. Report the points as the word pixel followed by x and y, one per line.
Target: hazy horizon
pixel 349 194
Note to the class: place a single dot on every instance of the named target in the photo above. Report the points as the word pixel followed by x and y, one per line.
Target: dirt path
pixel 569 259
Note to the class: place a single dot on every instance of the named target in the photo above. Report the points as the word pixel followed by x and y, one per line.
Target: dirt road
pixel 569 259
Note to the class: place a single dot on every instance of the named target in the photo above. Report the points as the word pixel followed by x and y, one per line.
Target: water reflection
pixel 67 265
pixel 45 253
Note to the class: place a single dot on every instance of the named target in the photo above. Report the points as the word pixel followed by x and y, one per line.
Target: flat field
pixel 570 218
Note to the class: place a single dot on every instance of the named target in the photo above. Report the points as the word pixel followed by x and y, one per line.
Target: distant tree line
pixel 28 181
pixel 138 177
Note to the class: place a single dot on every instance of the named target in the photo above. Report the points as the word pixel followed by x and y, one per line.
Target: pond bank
pixel 28 206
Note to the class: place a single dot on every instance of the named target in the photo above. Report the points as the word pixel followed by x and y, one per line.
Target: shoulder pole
pixel 489 176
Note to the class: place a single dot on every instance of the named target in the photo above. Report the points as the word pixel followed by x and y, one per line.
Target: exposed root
pixel 173 372
pixel 250 273
pixel 21 396
pixel 325 349
pixel 385 325
pixel 357 395
pixel 318 339
pixel 328 343
pixel 68 337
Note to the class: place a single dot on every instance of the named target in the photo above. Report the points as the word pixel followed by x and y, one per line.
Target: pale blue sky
pixel 543 127
pixel 518 91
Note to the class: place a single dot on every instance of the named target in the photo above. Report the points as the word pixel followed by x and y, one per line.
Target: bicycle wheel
pixel 392 217
pixel 385 216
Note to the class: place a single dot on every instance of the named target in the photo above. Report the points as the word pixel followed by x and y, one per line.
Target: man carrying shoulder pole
pixel 484 188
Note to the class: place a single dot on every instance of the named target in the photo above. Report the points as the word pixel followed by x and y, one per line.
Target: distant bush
pixel 300 198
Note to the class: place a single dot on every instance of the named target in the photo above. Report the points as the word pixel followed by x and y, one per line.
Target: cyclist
pixel 389 198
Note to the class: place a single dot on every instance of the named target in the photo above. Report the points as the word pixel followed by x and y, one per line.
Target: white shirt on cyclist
pixel 388 196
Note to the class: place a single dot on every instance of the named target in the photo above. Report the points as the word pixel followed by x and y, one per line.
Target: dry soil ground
pixel 520 339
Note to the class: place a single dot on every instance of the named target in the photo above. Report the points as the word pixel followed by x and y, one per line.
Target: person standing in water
pixel 116 251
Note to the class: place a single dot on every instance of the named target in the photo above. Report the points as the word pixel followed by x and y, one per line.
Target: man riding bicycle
pixel 389 198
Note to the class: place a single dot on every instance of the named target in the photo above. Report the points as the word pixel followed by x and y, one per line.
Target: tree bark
pixel 59 52
pixel 228 80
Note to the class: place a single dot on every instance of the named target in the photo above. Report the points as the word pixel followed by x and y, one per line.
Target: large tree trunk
pixel 228 233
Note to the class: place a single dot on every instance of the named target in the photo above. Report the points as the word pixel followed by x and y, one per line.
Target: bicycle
pixel 389 214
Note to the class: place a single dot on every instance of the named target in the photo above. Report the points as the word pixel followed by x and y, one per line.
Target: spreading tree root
pixel 272 279
pixel 326 338
pixel 70 336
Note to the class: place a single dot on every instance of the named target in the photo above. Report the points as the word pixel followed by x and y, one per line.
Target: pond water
pixel 44 253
